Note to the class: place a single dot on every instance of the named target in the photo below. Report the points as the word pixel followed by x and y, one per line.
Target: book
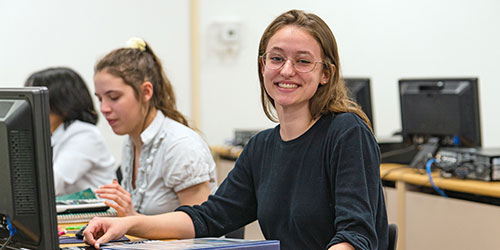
pixel 84 194
pixel 81 207
pixel 198 243
pixel 84 217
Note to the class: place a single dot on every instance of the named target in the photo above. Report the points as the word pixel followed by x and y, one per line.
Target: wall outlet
pixel 229 32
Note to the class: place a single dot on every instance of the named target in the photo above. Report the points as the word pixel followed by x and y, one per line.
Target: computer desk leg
pixel 401 214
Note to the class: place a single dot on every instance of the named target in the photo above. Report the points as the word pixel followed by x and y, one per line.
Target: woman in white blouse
pixel 165 163
pixel 81 159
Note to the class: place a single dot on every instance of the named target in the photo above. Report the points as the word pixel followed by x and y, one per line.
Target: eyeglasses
pixel 303 64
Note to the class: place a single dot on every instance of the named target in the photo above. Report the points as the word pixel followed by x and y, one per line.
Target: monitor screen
pixel 446 110
pixel 359 90
pixel 28 216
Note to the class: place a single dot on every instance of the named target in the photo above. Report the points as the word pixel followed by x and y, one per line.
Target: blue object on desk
pixel 198 243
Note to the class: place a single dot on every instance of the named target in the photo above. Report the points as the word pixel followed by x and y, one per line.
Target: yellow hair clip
pixel 136 43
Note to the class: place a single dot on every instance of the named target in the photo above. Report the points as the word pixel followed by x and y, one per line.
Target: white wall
pixel 35 35
pixel 384 40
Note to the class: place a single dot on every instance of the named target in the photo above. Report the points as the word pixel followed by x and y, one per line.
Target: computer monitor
pixel 27 197
pixel 439 112
pixel 359 90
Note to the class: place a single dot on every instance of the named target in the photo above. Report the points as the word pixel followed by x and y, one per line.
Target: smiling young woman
pixel 313 181
pixel 292 85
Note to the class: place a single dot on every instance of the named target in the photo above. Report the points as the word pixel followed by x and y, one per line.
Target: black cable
pixel 5 245
pixel 397 152
pixel 10 247
pixel 392 169
pixel 387 173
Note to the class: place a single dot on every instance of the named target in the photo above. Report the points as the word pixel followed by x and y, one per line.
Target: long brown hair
pixel 331 97
pixel 136 66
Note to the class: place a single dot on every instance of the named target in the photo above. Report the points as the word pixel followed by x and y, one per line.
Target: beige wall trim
pixel 194 13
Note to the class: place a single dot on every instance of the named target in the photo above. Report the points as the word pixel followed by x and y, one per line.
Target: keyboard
pixel 81 206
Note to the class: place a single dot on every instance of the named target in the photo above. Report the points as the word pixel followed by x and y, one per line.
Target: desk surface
pixel 398 172
pixel 62 226
pixel 199 243
pixel 227 151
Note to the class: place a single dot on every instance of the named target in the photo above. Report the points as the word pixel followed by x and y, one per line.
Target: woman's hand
pixel 122 199
pixel 101 230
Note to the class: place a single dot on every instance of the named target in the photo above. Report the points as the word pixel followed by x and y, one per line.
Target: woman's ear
pixel 326 74
pixel 147 90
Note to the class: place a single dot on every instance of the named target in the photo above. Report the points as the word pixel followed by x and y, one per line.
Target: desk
pixel 62 226
pixel 428 221
pixel 197 243
pixel 226 151
pixel 397 172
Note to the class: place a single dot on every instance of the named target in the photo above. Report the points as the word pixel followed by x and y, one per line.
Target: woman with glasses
pixel 313 181
pixel 165 163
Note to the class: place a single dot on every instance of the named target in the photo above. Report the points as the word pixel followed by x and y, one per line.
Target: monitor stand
pixel 427 152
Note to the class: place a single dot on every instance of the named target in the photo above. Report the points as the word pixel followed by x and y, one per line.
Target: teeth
pixel 288 85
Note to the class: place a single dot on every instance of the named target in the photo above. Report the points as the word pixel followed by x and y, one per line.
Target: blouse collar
pixel 57 134
pixel 151 131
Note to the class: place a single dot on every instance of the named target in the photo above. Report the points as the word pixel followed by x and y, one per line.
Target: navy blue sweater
pixel 317 190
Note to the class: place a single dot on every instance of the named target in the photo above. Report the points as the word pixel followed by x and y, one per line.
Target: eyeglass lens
pixel 302 64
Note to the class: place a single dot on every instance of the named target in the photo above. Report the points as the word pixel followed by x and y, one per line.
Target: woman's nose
pixel 288 68
pixel 105 108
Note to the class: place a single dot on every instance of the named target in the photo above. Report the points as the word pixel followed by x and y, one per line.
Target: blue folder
pixel 198 243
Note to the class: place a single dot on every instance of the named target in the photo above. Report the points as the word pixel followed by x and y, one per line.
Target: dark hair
pixel 331 97
pixel 136 66
pixel 69 96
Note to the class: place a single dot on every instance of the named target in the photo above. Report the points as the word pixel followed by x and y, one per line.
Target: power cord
pixel 397 152
pixel 6 244
pixel 428 166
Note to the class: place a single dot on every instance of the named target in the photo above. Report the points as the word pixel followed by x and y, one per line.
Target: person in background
pixel 165 163
pixel 80 157
pixel 313 181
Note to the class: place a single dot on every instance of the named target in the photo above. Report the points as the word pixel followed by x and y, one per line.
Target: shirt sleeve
pixel 356 188
pixel 76 157
pixel 233 205
pixel 188 163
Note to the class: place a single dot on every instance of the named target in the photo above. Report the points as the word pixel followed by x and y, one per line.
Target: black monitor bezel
pixel 408 137
pixel 38 100
pixel 365 84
